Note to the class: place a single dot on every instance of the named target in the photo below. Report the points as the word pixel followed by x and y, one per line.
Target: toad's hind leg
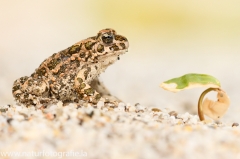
pixel 29 91
pixel 17 89
pixel 103 91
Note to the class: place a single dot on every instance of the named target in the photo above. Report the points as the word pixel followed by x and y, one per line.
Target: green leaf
pixel 190 81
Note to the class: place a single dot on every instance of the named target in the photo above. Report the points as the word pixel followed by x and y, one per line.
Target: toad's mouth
pixel 115 54
pixel 111 58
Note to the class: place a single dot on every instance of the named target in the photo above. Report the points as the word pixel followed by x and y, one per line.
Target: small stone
pixel 23 114
pixel 89 111
pixel 60 104
pixel 100 104
pixel 139 108
pixel 218 122
pixel 132 109
pixel 156 110
pixel 193 120
pixel 235 124
pixel 121 104
pixel 173 120
pixel 184 116
pixel 121 107
pixel 9 120
pixel 110 109
pixel 137 104
pixel 90 114
pixel 49 116
pixel 111 105
pixel 173 113
pixel 3 110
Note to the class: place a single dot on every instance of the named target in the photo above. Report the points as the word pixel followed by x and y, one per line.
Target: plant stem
pixel 200 110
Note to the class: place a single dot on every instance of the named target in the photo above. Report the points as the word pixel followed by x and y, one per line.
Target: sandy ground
pixel 108 131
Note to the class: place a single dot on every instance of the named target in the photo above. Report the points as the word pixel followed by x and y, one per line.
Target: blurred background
pixel 167 39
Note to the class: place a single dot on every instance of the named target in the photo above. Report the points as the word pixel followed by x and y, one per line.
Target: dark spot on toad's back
pixel 30 82
pixel 76 63
pixel 64 54
pixel 17 87
pixel 89 45
pixel 41 71
pixel 89 56
pixel 61 70
pixel 93 37
pixel 53 55
pixel 75 49
pixel 82 54
pixel 23 79
pixel 53 63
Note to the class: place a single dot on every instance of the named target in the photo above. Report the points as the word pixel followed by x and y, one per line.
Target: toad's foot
pixel 104 92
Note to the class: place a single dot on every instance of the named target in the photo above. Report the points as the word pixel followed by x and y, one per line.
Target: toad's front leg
pixel 100 88
pixel 83 89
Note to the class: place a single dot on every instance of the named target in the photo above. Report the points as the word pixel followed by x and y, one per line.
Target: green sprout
pixel 213 109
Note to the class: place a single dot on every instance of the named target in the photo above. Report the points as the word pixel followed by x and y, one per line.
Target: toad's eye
pixel 107 38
